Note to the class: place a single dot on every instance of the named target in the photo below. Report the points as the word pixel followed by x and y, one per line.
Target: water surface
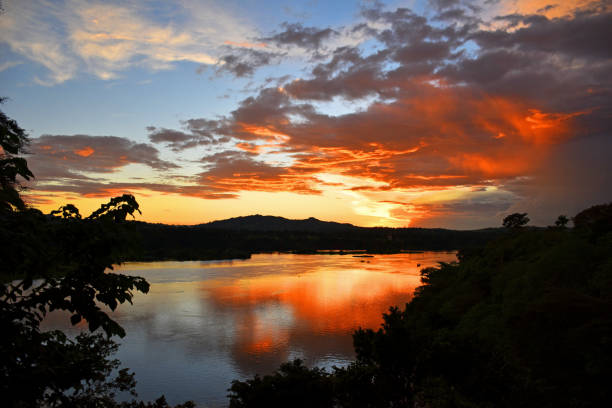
pixel 204 324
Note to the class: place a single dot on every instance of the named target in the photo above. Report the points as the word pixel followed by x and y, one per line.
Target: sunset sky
pixel 439 113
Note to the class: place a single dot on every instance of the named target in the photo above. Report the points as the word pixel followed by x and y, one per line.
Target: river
pixel 203 324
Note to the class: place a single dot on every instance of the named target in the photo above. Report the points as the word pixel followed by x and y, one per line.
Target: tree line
pixel 523 320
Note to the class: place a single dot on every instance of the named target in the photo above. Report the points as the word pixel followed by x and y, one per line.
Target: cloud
pixel 196 132
pixel 575 175
pixel 434 139
pixel 296 35
pixel 467 116
pixel 96 154
pixel 92 166
pixel 588 31
pixel 87 164
pixel 548 8
pixel 443 118
pixel 242 62
pixel 106 38
pixel 233 171
pixel 9 64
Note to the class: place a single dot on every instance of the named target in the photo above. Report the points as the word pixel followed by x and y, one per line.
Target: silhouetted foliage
pixel 293 385
pixel 597 219
pixel 13 141
pixel 59 262
pixel 515 220
pixel 524 322
pixel 561 221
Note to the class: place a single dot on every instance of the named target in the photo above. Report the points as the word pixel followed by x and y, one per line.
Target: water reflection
pixel 206 323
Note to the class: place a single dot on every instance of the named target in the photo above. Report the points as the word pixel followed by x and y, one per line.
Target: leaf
pixel 76 318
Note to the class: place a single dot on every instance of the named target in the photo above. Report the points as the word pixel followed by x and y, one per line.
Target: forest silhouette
pixel 58 261
pixel 523 320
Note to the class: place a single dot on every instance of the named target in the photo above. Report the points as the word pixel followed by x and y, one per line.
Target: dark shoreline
pixel 158 242
pixel 229 256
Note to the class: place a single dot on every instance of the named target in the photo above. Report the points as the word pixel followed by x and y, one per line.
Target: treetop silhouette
pixel 515 220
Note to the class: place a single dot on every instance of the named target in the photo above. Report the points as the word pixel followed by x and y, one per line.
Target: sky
pixel 416 113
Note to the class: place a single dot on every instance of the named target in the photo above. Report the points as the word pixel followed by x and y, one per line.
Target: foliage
pixel 293 385
pixel 60 262
pixel 13 140
pixel 597 219
pixel 180 242
pixel 525 321
pixel 515 220
pixel 562 221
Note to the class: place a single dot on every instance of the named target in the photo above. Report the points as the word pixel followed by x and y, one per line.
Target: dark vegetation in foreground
pixel 60 262
pixel 242 236
pixel 524 322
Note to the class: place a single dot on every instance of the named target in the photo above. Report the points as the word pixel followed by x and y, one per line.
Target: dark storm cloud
pixel 574 173
pixel 466 213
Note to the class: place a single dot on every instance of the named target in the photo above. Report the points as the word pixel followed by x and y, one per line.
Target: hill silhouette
pixel 239 237
pixel 272 223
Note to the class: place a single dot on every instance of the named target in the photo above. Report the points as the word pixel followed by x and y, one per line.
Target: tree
pixel 292 385
pixel 562 221
pixel 13 140
pixel 60 262
pixel 596 219
pixel 515 220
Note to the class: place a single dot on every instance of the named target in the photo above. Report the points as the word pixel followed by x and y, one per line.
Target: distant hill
pixel 240 237
pixel 272 223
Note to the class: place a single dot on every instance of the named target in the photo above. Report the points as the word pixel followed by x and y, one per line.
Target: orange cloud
pixel 84 152
pixel 493 166
pixel 424 135
pixel 267 132
pixel 433 138
pixel 550 9
pixel 443 121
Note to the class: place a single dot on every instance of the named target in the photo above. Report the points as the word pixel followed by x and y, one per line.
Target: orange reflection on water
pixel 328 301
pixel 232 319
